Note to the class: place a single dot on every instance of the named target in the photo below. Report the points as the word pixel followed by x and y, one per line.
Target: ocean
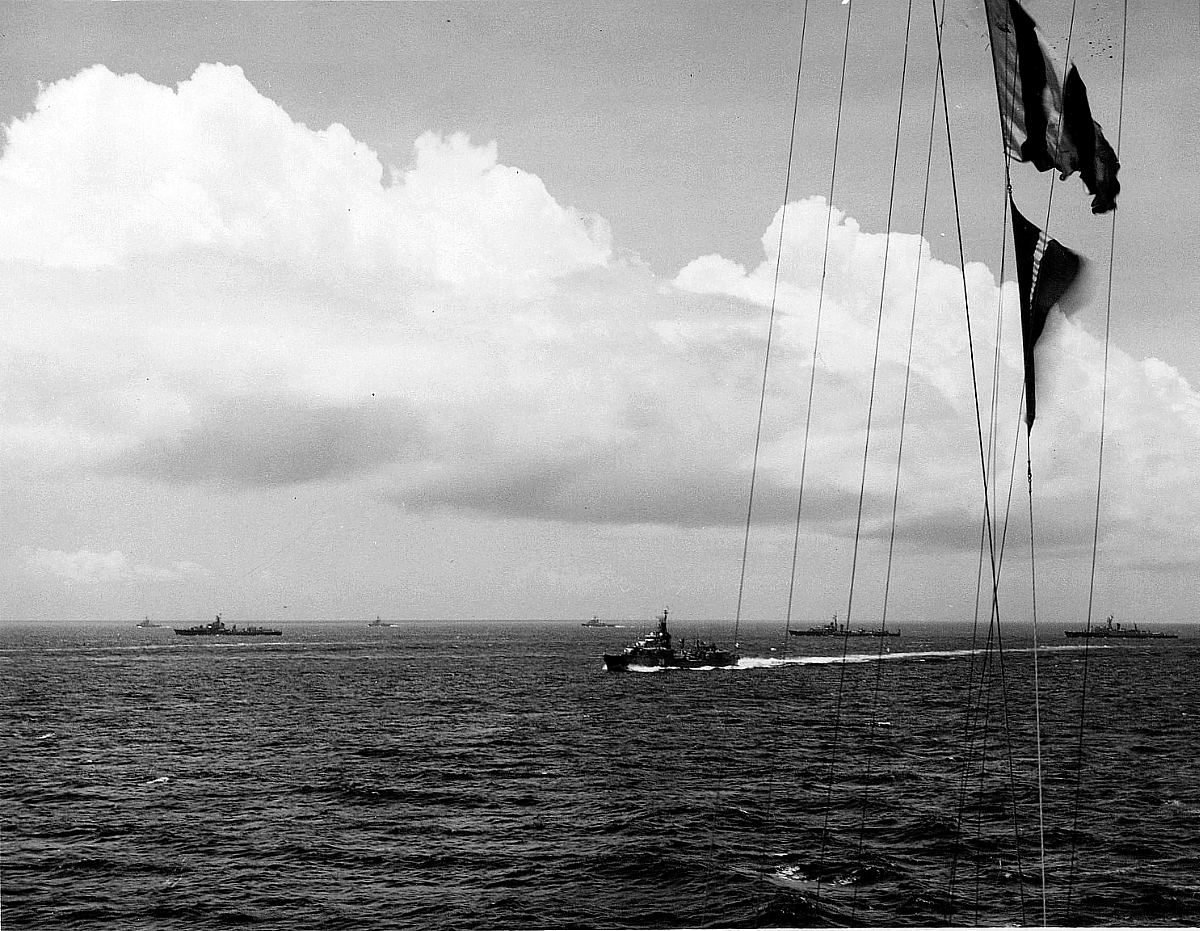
pixel 494 775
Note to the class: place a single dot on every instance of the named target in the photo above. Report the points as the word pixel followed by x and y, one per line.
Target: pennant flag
pixel 1047 122
pixel 1046 270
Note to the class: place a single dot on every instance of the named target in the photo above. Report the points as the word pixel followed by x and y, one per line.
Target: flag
pixel 1046 270
pixel 1046 121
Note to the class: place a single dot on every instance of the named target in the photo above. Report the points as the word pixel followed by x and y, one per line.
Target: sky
pixel 459 310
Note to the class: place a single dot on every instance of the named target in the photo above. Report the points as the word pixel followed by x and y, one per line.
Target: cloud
pixel 83 567
pixel 88 567
pixel 1153 415
pixel 260 442
pixel 110 167
pixel 192 269
pixel 201 291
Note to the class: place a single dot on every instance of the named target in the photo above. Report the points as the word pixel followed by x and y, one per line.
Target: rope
pixel 762 397
pixel 985 679
pixel 1062 118
pixel 994 634
pixel 912 328
pixel 1037 706
pixel 1012 782
pixel 1012 775
pixel 862 485
pixel 808 420
pixel 1037 711
pixel 862 826
pixel 787 184
pixel 994 619
pixel 812 378
pixel 1112 241
pixel 969 736
pixel 988 530
pixel 966 297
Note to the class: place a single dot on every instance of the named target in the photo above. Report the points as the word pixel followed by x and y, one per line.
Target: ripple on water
pixel 503 779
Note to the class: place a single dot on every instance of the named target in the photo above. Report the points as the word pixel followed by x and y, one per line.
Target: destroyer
pixel 655 649
pixel 217 628
pixel 1116 631
pixel 596 622
pixel 834 629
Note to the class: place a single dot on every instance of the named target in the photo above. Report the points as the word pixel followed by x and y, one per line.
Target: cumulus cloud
pixel 89 567
pixel 192 269
pixel 203 292
pixel 109 167
pixel 259 442
pixel 1153 414
pixel 83 567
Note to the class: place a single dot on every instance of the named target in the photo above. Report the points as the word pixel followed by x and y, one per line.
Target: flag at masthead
pixel 1046 269
pixel 1046 121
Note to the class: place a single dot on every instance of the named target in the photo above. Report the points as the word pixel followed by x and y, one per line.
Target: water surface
pixel 471 775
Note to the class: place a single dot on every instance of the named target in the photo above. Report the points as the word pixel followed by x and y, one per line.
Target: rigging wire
pixel 983 458
pixel 994 626
pixel 862 485
pixel 1112 241
pixel 837 131
pixel 862 825
pixel 771 328
pixel 808 420
pixel 966 296
pixel 976 727
pixel 1036 650
pixel 969 711
pixel 912 327
pixel 999 653
pixel 787 184
pixel 986 682
pixel 1003 671
pixel 1037 707
pixel 1007 725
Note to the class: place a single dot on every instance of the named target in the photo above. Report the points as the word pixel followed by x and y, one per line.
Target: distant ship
pixel 655 649
pixel 380 622
pixel 148 623
pixel 596 622
pixel 834 629
pixel 217 628
pixel 1117 632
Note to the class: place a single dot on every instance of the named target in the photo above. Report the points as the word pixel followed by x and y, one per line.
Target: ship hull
pixel 618 662
pixel 655 650
pixel 842 633
pixel 229 633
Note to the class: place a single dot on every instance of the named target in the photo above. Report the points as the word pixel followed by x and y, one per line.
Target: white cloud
pixel 88 567
pixel 112 167
pixel 469 220
pixel 83 567
pixel 173 251
pixel 176 571
pixel 201 291
pixel 1153 416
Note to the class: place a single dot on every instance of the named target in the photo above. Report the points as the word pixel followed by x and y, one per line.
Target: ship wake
pixel 771 662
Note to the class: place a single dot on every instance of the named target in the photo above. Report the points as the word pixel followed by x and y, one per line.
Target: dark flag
pixel 1046 270
pixel 1047 122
